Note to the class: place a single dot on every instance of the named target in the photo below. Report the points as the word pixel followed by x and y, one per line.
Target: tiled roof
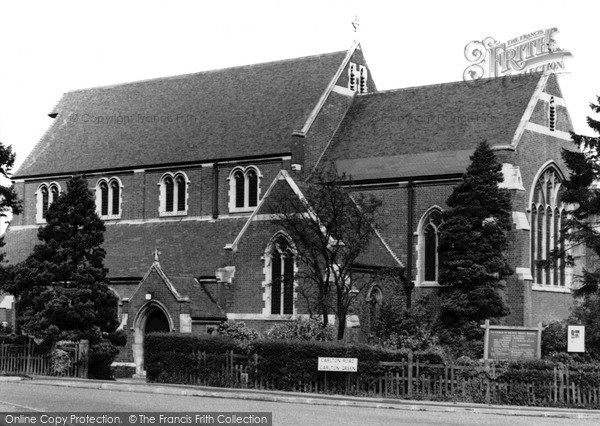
pixel 204 297
pixel 194 248
pixel 406 166
pixel 443 117
pixel 234 112
pixel 376 254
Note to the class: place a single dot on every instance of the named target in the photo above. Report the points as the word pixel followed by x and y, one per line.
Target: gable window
pixel 428 261
pixel 280 269
pixel 357 78
pixel 46 194
pixel 548 214
pixel 173 194
pixel 244 189
pixel 352 77
pixel 362 86
pixel 108 198
pixel 551 114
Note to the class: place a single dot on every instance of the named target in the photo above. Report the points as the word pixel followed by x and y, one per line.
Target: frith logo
pixel 533 52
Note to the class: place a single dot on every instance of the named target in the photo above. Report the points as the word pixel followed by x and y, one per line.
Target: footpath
pixel 130 385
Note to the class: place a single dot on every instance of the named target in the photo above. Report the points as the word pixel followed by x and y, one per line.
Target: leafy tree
pixel 331 231
pixel 473 241
pixel 9 201
pixel 61 288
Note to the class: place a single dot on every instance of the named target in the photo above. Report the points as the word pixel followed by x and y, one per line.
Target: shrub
pixel 118 338
pixel 300 329
pixel 102 355
pixel 237 331
pixel 5 328
pixel 60 360
pixel 554 338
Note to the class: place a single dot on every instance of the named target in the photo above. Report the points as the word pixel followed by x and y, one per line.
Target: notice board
pixel 512 343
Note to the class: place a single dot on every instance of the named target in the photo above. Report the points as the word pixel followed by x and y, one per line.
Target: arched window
pixel 352 77
pixel 103 199
pixel 280 269
pixel 108 198
pixel 45 201
pixel 548 215
pixel 375 300
pixel 46 195
pixel 244 189
pixel 252 188
pixel 363 79
pixel 169 194
pixel 238 176
pixel 428 260
pixel 116 198
pixel 53 192
pixel 173 194
pixel 551 115
pixel 181 193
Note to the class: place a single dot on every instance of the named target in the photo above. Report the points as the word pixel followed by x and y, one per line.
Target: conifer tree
pixel 581 191
pixel 473 241
pixel 581 228
pixel 61 288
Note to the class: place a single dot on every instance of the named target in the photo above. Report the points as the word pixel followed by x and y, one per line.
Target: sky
pixel 49 48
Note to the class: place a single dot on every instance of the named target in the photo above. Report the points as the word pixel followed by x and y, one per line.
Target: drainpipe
pixel 215 206
pixel 409 285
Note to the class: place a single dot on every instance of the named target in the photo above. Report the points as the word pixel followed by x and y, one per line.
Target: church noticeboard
pixel 512 343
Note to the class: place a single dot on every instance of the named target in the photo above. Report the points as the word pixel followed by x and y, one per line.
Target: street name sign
pixel 338 364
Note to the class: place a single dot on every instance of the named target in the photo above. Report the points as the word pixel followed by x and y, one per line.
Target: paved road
pixel 28 396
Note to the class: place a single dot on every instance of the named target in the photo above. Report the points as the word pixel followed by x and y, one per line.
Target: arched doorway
pixel 151 318
pixel 157 322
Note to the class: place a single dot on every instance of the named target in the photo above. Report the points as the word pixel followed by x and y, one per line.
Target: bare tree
pixel 333 232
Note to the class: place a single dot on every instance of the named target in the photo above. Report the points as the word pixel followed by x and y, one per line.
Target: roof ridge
pixel 448 83
pixel 173 77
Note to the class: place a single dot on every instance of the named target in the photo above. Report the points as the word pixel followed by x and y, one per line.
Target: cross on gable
pixel 156 253
pixel 355 23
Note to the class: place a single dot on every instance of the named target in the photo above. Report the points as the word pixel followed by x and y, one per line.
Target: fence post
pixel 486 367
pixel 410 373
pixel 83 356
pixel 28 351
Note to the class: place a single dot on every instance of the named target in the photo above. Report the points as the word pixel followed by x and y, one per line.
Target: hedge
pixel 173 357
pixel 284 364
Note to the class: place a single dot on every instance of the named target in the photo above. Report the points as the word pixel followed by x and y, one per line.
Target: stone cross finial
pixel 156 253
pixel 355 25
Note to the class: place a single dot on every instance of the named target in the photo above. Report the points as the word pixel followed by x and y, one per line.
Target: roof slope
pixel 234 112
pixel 376 254
pixel 444 117
pixel 193 248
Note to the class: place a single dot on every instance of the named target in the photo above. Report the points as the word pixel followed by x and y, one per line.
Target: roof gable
pixel 156 271
pixel 235 112
pixel 377 254
pixel 443 117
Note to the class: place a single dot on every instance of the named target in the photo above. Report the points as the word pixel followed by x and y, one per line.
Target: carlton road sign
pixel 338 364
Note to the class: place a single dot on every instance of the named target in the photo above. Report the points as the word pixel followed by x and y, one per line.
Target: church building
pixel 181 168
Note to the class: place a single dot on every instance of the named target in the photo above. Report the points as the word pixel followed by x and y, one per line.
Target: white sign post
pixel 576 338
